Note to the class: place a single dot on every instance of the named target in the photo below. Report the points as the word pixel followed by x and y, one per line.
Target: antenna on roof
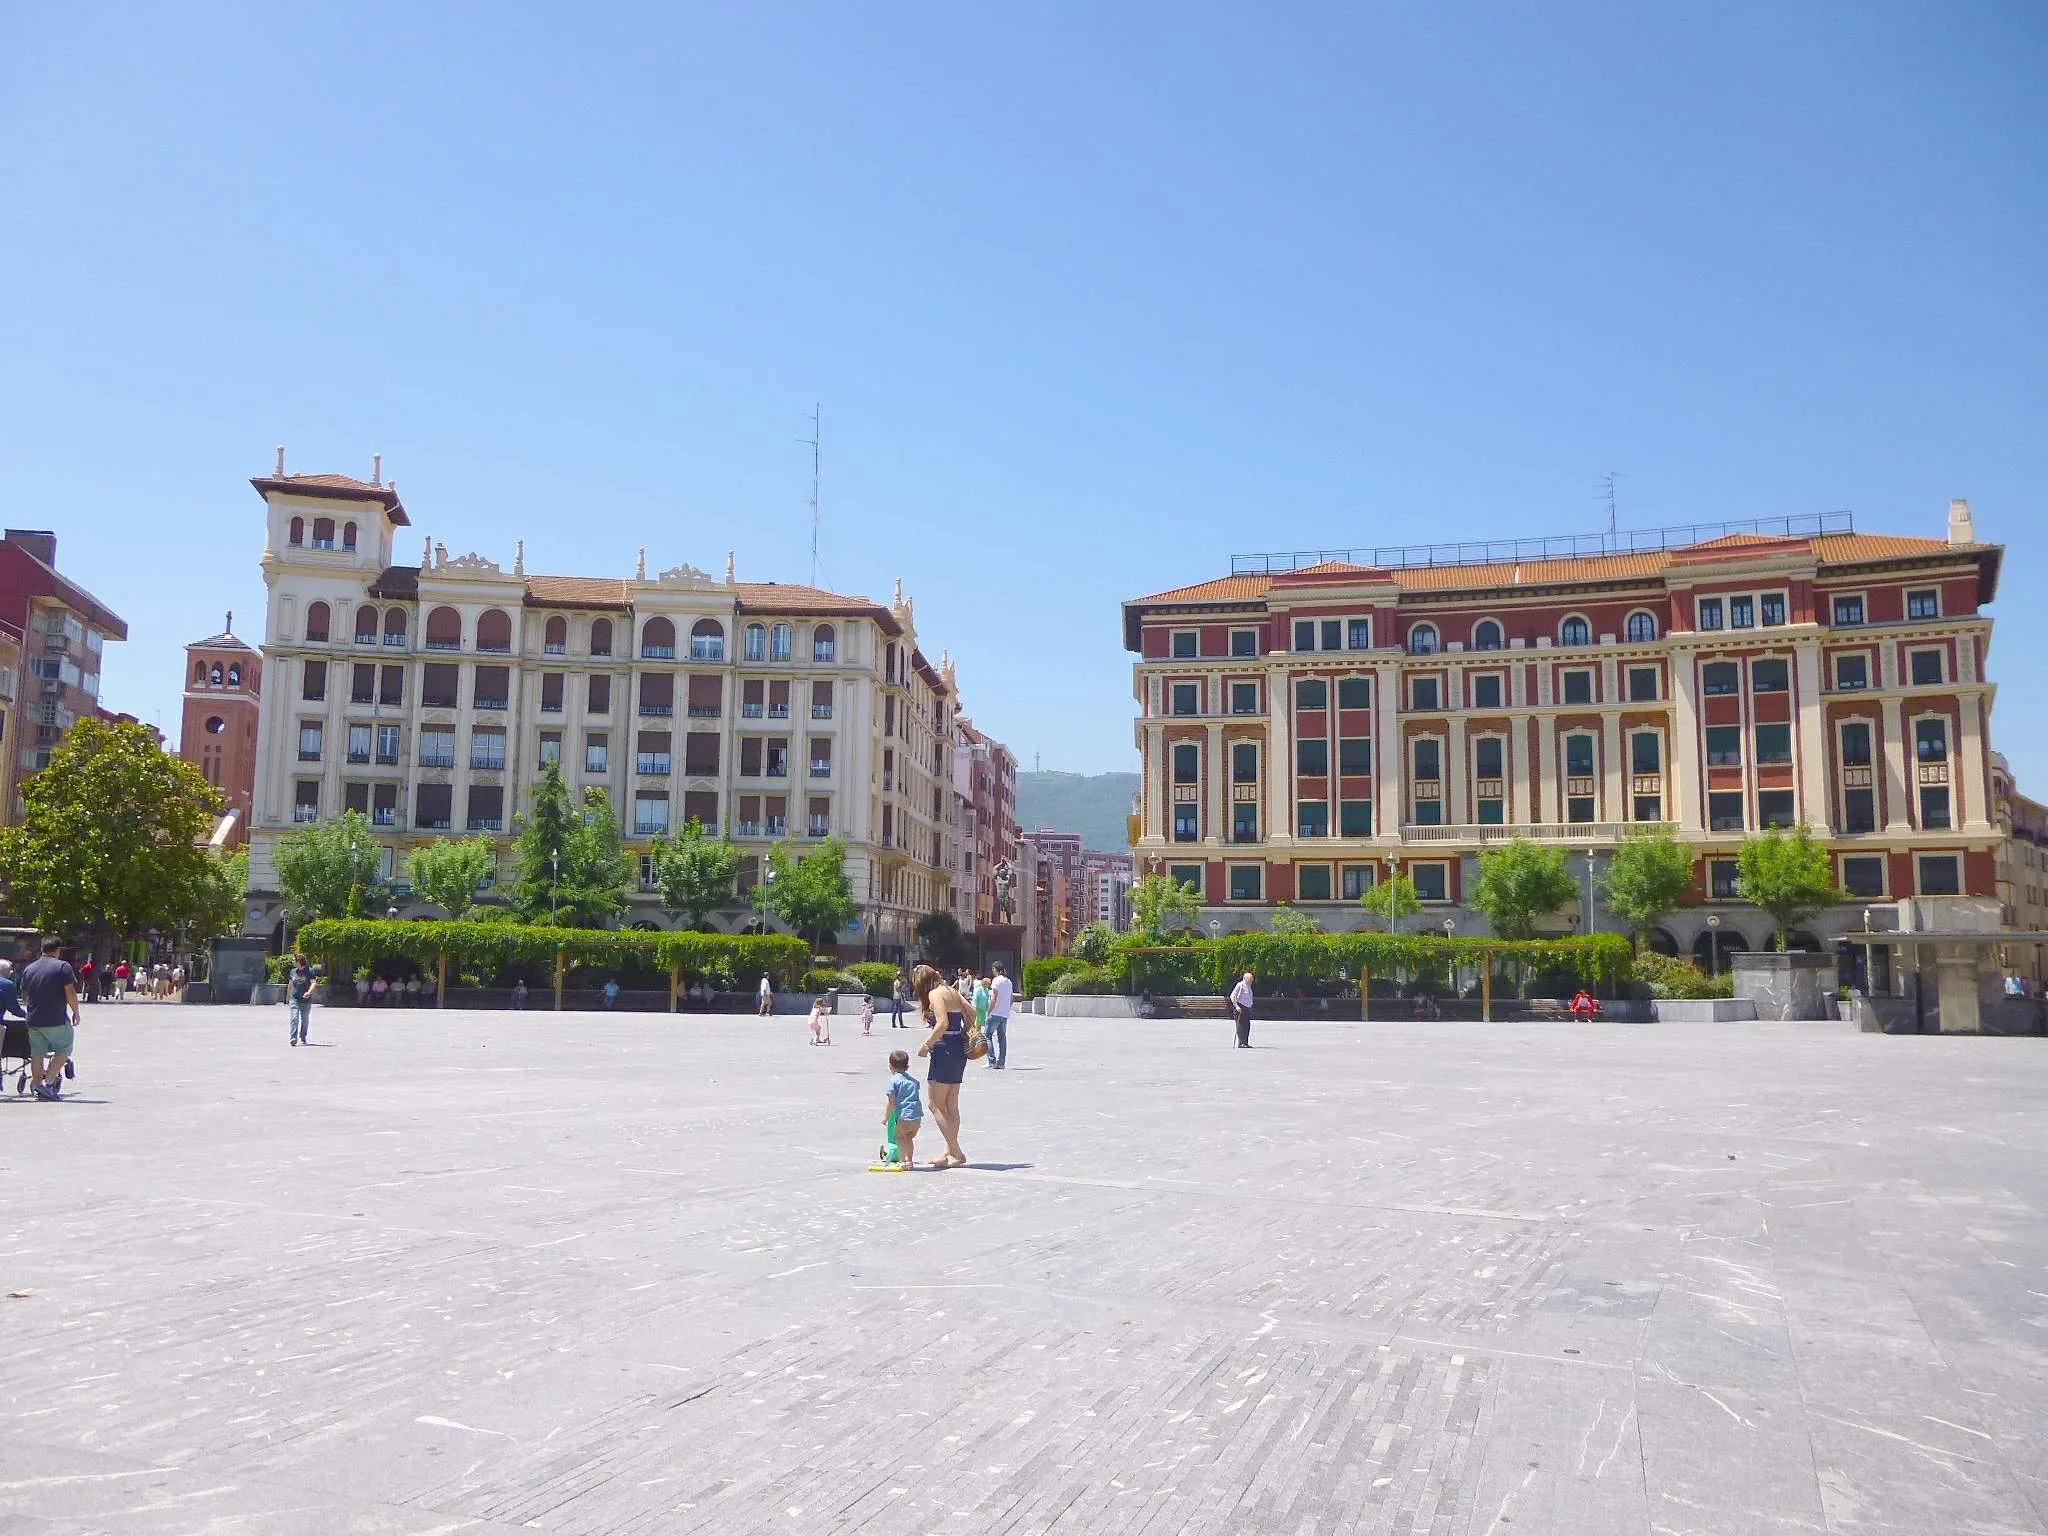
pixel 813 441
pixel 1613 512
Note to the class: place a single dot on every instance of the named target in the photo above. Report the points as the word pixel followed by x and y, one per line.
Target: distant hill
pixel 1096 805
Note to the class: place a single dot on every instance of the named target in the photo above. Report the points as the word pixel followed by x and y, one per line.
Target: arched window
pixel 235 675
pixel 394 626
pixel 1422 640
pixel 1575 631
pixel 824 643
pixel 1642 625
pixel 297 532
pixel 198 672
pixel 600 637
pixel 366 624
pixel 494 630
pixel 658 639
pixel 214 677
pixel 444 629
pixel 348 535
pixel 707 640
pixel 556 642
pixel 757 642
pixel 323 533
pixel 778 642
pixel 1486 636
pixel 316 622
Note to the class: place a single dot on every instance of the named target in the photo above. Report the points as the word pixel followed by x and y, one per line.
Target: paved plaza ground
pixel 585 1273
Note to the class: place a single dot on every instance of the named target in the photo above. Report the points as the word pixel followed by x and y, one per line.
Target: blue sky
pixel 1093 296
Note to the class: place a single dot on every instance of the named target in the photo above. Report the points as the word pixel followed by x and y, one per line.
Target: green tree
pixel 1290 923
pixel 1519 883
pixel 1391 900
pixel 112 841
pixel 941 942
pixel 448 870
pixel 1648 879
pixel 569 866
pixel 697 874
pixel 1094 944
pixel 1156 900
pixel 328 869
pixel 1788 874
pixel 810 894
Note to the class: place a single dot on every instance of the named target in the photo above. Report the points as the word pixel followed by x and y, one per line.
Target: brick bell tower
pixel 223 695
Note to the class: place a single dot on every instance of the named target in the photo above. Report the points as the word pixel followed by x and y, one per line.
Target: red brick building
pixel 1308 724
pixel 223 702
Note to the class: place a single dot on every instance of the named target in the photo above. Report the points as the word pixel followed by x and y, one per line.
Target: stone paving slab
pixel 599 1273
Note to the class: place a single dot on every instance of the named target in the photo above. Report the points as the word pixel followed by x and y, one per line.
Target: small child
pixel 903 1107
pixel 821 1026
pixel 867 1014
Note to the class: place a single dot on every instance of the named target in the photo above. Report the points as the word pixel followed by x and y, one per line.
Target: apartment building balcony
pixel 1497 832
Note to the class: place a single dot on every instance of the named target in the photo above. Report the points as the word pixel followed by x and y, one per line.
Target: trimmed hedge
pixel 1039 975
pixel 1321 961
pixel 496 948
pixel 875 976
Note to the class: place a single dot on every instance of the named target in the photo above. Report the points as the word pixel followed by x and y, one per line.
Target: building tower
pixel 223 698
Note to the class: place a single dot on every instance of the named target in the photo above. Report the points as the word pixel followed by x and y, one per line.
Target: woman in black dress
pixel 946 1011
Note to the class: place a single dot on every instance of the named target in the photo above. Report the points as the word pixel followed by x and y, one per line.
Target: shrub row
pixel 1321 961
pixel 494 949
pixel 1039 975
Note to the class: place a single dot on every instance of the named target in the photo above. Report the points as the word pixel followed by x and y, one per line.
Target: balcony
pixel 494 764
pixel 359 757
pixel 820 826
pixel 821 767
pixel 1541 832
pixel 307 755
pixel 396 641
pixel 384 816
pixel 750 711
pixel 653 764
pixel 778 711
pixel 442 645
pixel 657 653
pixel 705 711
pixel 432 826
pixel 486 823
pixel 749 828
pixel 649 826
pixel 821 711
pixel 777 826
pixel 657 711
pixel 554 648
pixel 825 652
pixel 305 813
pixel 437 759
pixel 489 703
pixel 703 649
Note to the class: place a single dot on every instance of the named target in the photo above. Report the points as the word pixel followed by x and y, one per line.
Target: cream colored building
pixel 428 696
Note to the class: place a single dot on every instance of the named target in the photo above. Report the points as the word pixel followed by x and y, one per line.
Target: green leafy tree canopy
pixel 811 894
pixel 1157 900
pixel 1095 944
pixel 1648 879
pixel 328 869
pixel 941 942
pixel 1391 899
pixel 569 865
pixel 1291 923
pixel 1788 874
pixel 697 874
pixel 1519 883
pixel 448 871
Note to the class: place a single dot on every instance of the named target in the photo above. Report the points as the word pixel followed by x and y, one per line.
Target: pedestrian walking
pixel 121 975
pixel 49 994
pixel 764 997
pixel 978 995
pixel 299 997
pixel 897 989
pixel 902 1110
pixel 519 994
pixel 1001 992
pixel 1241 1010
pixel 821 1027
pixel 946 1011
pixel 867 1013
pixel 611 990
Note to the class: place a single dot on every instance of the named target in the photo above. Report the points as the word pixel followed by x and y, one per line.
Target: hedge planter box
pixel 1704 1010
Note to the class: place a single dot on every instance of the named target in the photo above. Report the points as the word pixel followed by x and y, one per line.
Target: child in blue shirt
pixel 903 1108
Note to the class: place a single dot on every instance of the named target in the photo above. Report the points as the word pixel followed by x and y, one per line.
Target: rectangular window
pixel 1311 882
pixel 1578 808
pixel 1768 676
pixel 356 797
pixel 1849 610
pixel 820 821
pixel 1244 762
pixel 437 747
pixel 1930 740
pixel 1432 881
pixel 1720 677
pixel 550 748
pixel 1578 687
pixel 310 734
pixel 821 757
pixel 1247 882
pixel 1724 811
pixel 315 682
pixel 1642 685
pixel 1486 691
pixel 486 749
pixel 1649 808
pixel 1186 822
pixel 1856 745
pixel 1354 693
pixel 1934 808
pixel 652 753
pixel 1940 875
pixel 1863 876
pixel 1354 818
pixel 362 683
pixel 821 700
pixel 384 805
pixel 1852 673
pixel 391 686
pixel 1354 755
pixel 1422 693
pixel 1773 606
pixel 1429 813
pixel 600 693
pixel 1333 634
pixel 1724 879
pixel 1928 669
pixel 778 643
pixel 1724 746
pixel 1741 613
pixel 650 814
pixel 1244 698
pixel 492 688
pixel 1428 758
pixel 433 806
pixel 597 748
pixel 1244 642
pixel 1356 880
pixel 1187 763
pixel 387 743
pixel 359 743
pixel 1710 613
pixel 1358 635
pixel 1578 757
pixel 1859 810
pixel 1314 819
pixel 1187 876
pixel 486 808
pixel 753 696
pixel 1244 822
pixel 1187 698
pixel 1774 808
pixel 658 694
pixel 1487 757
pixel 1312 757
pixel 1311 693
pixel 1186 643
pixel 551 693
pixel 1492 811
pixel 776 762
pixel 1646 752
pixel 1773 744
pixel 1923 604
pixel 1304 634
pixel 439 681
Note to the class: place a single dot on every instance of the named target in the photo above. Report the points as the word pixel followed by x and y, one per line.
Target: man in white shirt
pixel 1241 1010
pixel 1000 991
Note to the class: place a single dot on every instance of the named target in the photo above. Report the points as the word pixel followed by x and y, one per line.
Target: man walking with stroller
pixel 49 991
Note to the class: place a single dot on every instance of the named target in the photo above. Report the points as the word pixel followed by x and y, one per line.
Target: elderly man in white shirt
pixel 1241 1010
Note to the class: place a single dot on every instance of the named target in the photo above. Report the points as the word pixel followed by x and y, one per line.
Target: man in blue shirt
pixel 50 989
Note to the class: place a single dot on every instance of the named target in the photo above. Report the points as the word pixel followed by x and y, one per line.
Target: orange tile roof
pixel 1848 548
pixel 1225 589
pixel 339 487
pixel 577 591
pixel 1528 573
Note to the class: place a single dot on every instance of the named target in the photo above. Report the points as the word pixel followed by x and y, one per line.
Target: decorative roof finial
pixel 729 578
pixel 519 558
pixel 231 621
pixel 427 552
pixel 640 570
pixel 376 469
pixel 899 591
pixel 280 461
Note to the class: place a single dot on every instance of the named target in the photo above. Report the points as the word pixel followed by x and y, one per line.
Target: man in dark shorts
pixel 49 993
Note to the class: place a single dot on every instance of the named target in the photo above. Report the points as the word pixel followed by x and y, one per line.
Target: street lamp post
pixel 1714 943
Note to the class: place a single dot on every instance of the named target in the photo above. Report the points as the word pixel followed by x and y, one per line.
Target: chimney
pixel 376 469
pixel 41 544
pixel 1961 528
pixel 280 462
